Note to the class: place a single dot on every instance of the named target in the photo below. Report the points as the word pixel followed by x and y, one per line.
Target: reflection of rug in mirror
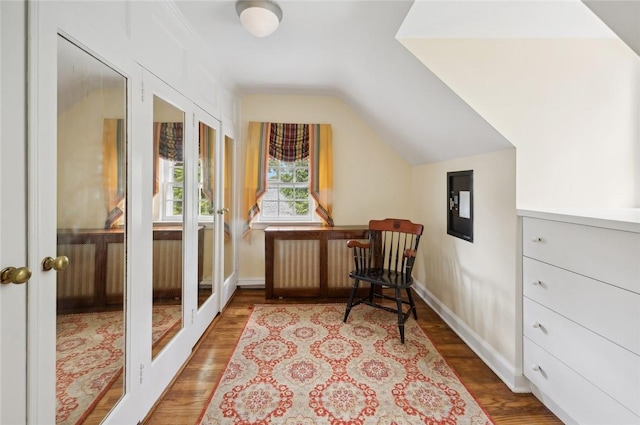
pixel 300 364
pixel 89 355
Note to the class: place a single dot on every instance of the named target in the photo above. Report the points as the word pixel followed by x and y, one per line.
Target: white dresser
pixel 581 313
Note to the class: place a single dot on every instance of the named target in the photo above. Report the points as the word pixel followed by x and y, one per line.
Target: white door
pixel 13 235
pixel 165 137
pixel 80 365
pixel 228 202
pixel 207 133
pixel 93 232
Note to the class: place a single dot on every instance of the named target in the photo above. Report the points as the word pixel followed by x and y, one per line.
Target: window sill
pixel 167 223
pixel 205 224
pixel 261 225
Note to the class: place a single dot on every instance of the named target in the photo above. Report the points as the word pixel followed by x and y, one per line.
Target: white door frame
pixel 41 304
pixel 13 240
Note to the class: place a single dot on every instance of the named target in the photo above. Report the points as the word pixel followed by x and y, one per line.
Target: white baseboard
pixel 251 283
pixel 205 283
pixel 551 405
pixel 496 362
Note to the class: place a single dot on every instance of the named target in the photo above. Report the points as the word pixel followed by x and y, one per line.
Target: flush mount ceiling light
pixel 260 17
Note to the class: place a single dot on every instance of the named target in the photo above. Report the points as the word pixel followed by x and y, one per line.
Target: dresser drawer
pixel 579 398
pixel 613 369
pixel 611 256
pixel 607 310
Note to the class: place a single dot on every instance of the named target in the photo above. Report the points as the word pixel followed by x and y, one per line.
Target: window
pixel 287 196
pixel 172 194
pixel 206 207
pixel 295 183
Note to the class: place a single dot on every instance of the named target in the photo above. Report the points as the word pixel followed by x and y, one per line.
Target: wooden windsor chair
pixel 386 261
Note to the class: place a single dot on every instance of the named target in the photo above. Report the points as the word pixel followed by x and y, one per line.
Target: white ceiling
pixel 622 16
pixel 348 48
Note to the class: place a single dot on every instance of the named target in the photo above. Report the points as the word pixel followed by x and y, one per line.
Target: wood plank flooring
pixel 184 401
pixel 114 393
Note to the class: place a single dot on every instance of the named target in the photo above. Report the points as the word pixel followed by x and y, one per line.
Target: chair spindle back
pixel 392 247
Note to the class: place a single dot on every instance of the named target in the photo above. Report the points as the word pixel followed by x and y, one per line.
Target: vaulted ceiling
pixel 348 49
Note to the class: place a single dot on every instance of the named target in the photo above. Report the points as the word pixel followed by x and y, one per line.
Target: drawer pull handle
pixel 536 367
pixel 536 239
pixel 537 283
pixel 536 325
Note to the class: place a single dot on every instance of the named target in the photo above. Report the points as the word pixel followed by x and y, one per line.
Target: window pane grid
pixel 173 184
pixel 287 194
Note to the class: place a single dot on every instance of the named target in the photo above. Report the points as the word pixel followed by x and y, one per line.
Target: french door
pixel 101 241
pixel 210 218
pixel 84 358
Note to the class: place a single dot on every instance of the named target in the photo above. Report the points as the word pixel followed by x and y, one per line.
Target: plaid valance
pixel 170 144
pixel 289 142
pixel 207 152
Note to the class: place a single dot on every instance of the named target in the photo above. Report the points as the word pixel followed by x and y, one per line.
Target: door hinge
pixel 142 91
pixel 141 371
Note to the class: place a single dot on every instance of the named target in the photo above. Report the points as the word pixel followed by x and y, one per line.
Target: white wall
pixel 570 106
pixel 370 179
pixel 80 143
pixel 565 91
pixel 474 282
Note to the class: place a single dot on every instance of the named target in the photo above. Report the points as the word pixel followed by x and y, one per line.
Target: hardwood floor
pixel 184 401
pixel 116 389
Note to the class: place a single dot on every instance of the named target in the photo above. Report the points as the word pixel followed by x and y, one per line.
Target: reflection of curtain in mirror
pixel 280 141
pixel 228 182
pixel 207 147
pixel 321 170
pixel 114 161
pixel 167 144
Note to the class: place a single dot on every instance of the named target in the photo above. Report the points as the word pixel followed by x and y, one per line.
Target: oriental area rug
pixel 300 364
pixel 89 357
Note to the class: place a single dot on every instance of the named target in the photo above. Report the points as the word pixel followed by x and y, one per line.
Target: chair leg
pixel 412 304
pixel 354 288
pixel 400 315
pixel 371 289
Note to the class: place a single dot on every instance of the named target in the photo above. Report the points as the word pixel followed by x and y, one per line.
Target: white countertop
pixel 627 219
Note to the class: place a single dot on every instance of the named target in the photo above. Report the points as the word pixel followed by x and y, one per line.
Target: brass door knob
pixel 15 274
pixel 57 264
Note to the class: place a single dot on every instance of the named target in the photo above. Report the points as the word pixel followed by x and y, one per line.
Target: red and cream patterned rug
pixel 89 355
pixel 300 364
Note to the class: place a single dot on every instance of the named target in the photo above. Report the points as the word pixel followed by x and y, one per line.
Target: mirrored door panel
pixel 168 207
pixel 228 193
pixel 91 236
pixel 207 144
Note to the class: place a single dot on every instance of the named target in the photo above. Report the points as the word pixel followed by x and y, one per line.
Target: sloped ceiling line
pixel 349 48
